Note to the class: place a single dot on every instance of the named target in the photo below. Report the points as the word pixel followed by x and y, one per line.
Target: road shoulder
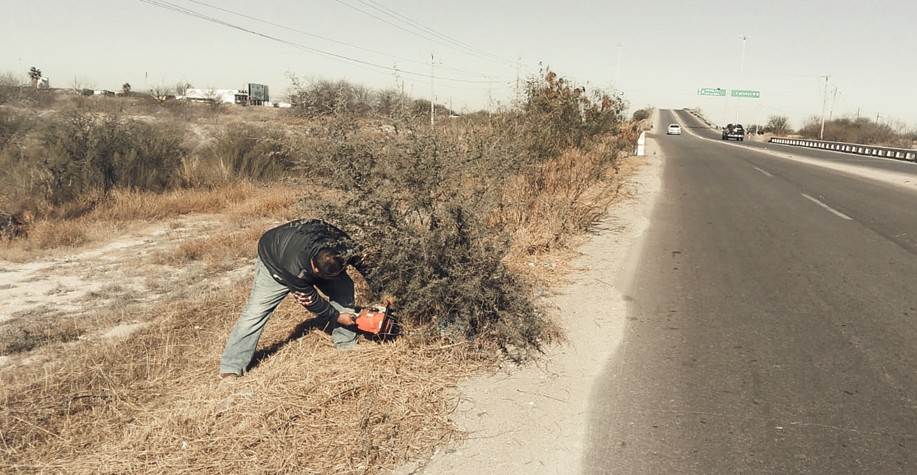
pixel 535 419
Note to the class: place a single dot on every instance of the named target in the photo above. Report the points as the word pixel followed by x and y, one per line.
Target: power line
pixel 325 38
pixel 186 11
pixel 461 44
pixel 419 34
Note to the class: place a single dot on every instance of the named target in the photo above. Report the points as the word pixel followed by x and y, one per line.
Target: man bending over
pixel 298 258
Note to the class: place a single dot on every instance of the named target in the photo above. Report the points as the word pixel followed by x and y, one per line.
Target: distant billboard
pixel 257 93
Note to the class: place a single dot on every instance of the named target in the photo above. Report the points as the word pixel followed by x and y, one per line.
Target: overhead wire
pixel 419 34
pixel 187 11
pixel 325 38
pixel 449 39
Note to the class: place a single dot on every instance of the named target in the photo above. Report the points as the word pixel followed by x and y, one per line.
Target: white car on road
pixel 674 129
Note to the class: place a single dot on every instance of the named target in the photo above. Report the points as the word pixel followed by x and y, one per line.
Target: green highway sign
pixel 711 91
pixel 745 93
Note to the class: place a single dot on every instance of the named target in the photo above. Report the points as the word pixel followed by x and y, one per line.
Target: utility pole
pixel 742 61
pixel 618 67
pixel 518 66
pixel 741 69
pixel 833 100
pixel 824 104
pixel 490 96
pixel 432 88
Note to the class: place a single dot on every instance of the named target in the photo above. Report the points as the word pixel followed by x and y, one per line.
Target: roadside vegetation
pixel 459 220
pixel 861 130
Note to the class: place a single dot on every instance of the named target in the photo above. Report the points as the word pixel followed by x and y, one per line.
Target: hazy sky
pixel 668 49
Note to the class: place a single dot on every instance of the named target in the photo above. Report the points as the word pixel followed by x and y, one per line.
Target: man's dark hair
pixel 329 263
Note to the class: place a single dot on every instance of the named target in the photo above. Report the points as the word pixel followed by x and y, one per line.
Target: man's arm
pixel 313 302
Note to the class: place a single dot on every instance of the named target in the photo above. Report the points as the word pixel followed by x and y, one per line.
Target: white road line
pixel 763 171
pixel 823 205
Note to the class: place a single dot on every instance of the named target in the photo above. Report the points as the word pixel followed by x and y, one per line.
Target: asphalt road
pixel 772 324
pixel 900 166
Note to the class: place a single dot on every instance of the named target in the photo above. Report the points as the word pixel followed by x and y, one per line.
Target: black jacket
pixel 287 251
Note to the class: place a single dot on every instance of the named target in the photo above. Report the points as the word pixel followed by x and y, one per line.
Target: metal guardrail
pixel 854 148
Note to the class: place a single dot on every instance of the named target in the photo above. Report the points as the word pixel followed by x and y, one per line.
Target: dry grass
pixel 27 333
pixel 558 200
pixel 241 202
pixel 152 402
pixel 49 234
pixel 221 251
pixel 240 198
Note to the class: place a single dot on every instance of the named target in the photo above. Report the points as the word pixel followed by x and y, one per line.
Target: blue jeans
pixel 266 295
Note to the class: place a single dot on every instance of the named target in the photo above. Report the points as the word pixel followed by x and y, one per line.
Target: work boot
pixel 229 376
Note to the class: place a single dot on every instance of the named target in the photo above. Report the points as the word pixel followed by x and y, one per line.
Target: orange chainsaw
pixel 375 320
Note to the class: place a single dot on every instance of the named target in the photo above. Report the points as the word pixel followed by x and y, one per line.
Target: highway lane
pixel 772 324
pixel 900 166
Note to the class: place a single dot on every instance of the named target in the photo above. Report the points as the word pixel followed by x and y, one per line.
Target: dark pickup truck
pixel 734 131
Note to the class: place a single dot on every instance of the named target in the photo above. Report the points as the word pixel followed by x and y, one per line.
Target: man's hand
pixel 347 319
pixel 304 299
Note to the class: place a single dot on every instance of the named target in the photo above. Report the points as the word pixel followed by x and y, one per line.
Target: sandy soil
pixel 533 419
pixel 103 274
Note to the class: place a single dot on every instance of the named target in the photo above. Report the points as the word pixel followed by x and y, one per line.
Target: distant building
pixel 219 96
pixel 253 94
pixel 43 83
pixel 258 94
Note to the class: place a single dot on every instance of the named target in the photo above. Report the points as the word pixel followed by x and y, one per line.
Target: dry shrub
pixel 27 333
pixel 322 98
pixel 13 124
pixel 642 114
pixel 248 151
pixel 152 402
pixel 558 199
pixel 421 202
pixel 68 156
pixel 50 234
pixel 860 130
pixel 560 115
pixel 445 268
